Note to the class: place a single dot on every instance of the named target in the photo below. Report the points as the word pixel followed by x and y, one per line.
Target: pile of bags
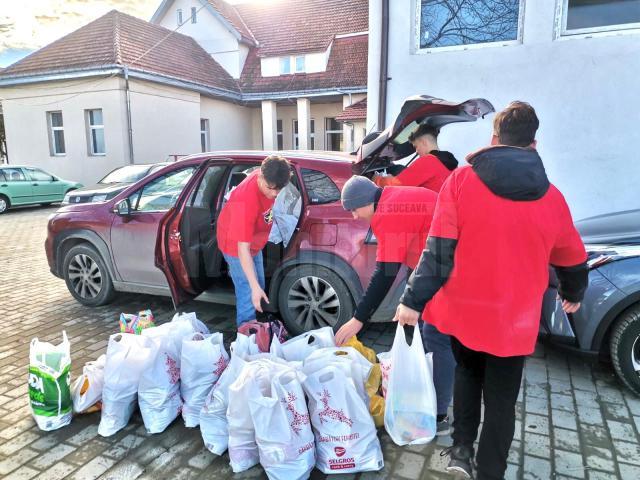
pixel 297 404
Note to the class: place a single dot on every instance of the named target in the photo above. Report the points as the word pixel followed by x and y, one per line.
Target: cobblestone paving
pixel 574 418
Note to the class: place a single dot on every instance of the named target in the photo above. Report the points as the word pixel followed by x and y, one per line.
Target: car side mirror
pixel 123 208
pixel 54 179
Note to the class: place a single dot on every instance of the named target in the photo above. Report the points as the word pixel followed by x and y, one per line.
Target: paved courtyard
pixel 574 418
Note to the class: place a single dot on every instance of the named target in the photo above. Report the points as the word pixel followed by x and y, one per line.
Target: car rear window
pixel 320 188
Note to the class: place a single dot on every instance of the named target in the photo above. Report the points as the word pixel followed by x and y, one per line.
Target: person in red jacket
pixel 243 230
pixel 430 169
pixel 498 225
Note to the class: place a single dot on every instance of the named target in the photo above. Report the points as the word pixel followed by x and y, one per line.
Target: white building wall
pixel 584 90
pixel 166 121
pixel 212 35
pixel 230 125
pixel 319 111
pixel 25 110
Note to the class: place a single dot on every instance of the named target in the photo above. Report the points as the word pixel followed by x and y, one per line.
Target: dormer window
pixel 285 65
pixel 300 64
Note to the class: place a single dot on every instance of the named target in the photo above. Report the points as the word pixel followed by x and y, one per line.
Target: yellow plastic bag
pixel 376 409
pixel 366 352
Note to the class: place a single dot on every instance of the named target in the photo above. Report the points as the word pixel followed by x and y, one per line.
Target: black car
pixel 112 184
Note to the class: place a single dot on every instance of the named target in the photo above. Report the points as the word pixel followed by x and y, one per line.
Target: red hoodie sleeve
pixel 445 217
pixel 416 174
pixel 568 249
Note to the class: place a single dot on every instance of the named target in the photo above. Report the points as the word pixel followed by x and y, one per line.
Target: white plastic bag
pixel 410 404
pixel 159 388
pixel 385 369
pixel 128 355
pixel 87 389
pixel 192 319
pixel 346 437
pixel 203 360
pixel 213 416
pixel 254 380
pixel 352 363
pixel 49 393
pixel 300 347
pixel 283 429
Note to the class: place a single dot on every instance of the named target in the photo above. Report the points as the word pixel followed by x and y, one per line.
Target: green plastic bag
pixel 49 383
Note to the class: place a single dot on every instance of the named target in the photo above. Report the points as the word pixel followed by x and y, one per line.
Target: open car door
pixel 186 234
pixel 379 150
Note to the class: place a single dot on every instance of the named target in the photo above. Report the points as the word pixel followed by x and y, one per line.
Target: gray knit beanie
pixel 357 192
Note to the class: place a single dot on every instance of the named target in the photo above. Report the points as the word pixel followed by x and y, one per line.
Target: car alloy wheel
pixel 85 276
pixel 635 355
pixel 3 205
pixel 314 302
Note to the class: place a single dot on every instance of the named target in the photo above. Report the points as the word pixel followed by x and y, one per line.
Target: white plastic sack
pixel 254 380
pixel 87 389
pixel 159 388
pixel 203 360
pixel 352 363
pixel 410 404
pixel 283 429
pixel 213 416
pixel 346 437
pixel 49 393
pixel 300 347
pixel 128 355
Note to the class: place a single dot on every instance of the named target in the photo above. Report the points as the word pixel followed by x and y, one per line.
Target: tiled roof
pixel 231 15
pixel 118 39
pixel 347 67
pixel 302 26
pixel 357 111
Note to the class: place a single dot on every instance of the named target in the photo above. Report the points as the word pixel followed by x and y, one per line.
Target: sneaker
pixel 443 427
pixel 460 462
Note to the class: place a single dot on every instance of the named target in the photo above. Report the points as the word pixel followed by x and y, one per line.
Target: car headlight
pixel 66 199
pixel 99 198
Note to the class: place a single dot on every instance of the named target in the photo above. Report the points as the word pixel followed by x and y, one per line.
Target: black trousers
pixel 496 380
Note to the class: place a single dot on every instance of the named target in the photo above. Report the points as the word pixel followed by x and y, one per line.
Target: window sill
pixel 460 48
pixel 582 34
pixel 58 155
pixel 97 154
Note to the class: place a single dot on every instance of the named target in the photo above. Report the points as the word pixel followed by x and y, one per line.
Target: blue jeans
pixel 244 306
pixel 444 364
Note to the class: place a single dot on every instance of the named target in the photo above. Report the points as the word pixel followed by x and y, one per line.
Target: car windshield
pixel 128 174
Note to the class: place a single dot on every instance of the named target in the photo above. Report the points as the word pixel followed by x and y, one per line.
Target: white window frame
pixel 281 69
pixel 90 129
pixel 205 135
pixel 194 15
pixel 312 134
pixel 562 31
pixel 474 46
pixel 52 137
pixel 327 132
pixel 280 134
pixel 295 63
pixel 179 15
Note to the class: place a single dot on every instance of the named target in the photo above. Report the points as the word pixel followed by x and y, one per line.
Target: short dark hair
pixel 276 170
pixel 424 129
pixel 516 125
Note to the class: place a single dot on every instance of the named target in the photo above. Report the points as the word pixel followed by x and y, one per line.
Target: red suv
pixel 158 235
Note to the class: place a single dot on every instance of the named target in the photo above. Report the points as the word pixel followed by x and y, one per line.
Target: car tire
pixel 311 296
pixel 4 204
pixel 46 204
pixel 87 276
pixel 625 348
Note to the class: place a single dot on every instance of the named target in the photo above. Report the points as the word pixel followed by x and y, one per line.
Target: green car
pixel 20 185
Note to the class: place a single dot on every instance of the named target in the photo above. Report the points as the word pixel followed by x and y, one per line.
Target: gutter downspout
pixel 384 57
pixel 128 105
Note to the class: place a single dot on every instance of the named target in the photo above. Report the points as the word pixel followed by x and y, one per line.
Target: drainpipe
pixel 128 104
pixel 384 56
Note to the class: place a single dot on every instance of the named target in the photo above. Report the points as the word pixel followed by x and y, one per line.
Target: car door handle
pixel 4 185
pixel 34 184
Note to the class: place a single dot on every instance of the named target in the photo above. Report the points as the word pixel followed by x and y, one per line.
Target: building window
pixel 300 64
pixel 95 131
pixel 285 65
pixel 279 136
pixel 204 135
pixel 333 133
pixel 455 23
pixel 56 133
pixel 179 16
pixel 194 12
pixel 312 135
pixel 587 16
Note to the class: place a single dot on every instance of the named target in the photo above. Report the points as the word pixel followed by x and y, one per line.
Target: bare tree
pixel 464 22
pixel 3 140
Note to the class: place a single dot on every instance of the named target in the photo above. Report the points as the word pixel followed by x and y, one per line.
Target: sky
pixel 27 25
